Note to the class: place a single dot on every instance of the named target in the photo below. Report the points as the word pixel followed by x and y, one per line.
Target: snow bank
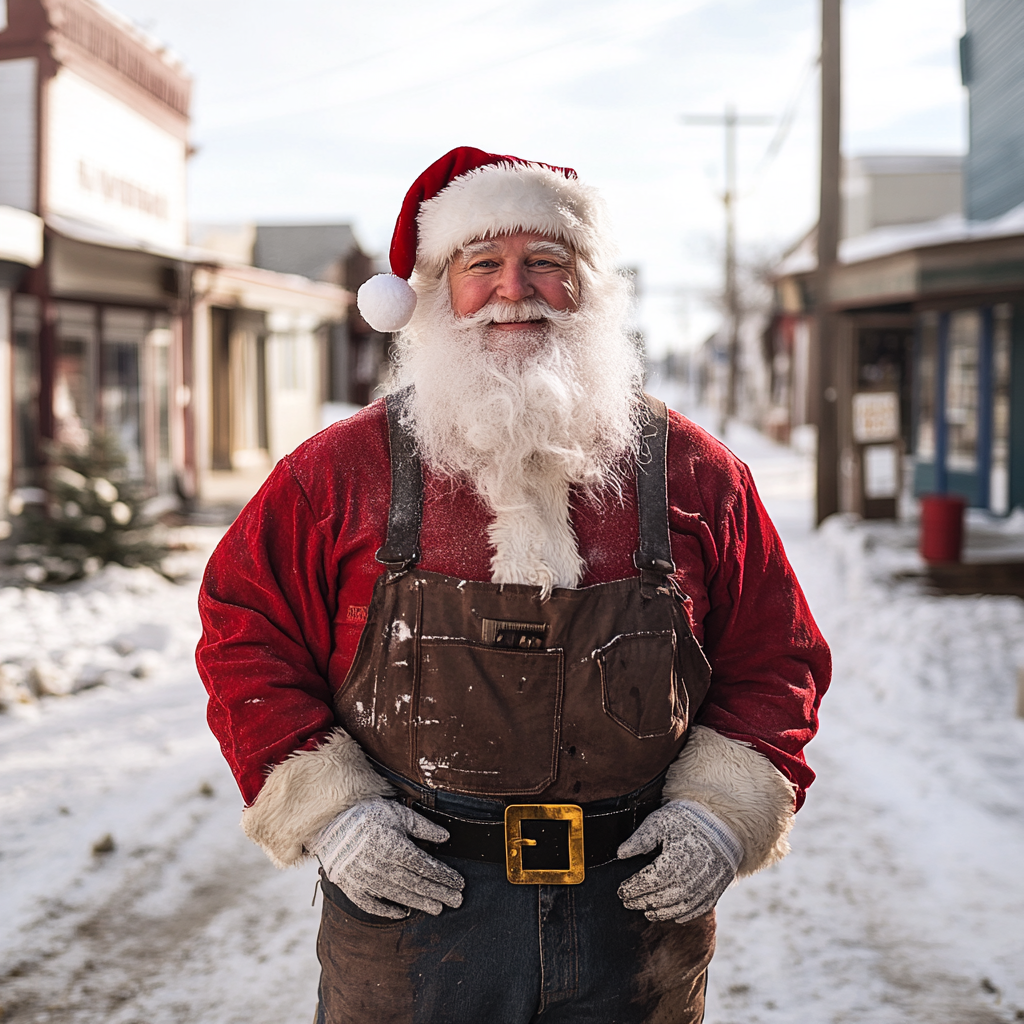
pixel 119 625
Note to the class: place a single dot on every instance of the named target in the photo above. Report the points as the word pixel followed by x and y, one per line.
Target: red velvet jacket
pixel 285 593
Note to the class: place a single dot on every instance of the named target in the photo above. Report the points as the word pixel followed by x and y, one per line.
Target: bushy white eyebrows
pixel 475 249
pixel 560 252
pixel 540 247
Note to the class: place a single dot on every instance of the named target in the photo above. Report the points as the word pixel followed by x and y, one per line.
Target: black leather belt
pixel 487 841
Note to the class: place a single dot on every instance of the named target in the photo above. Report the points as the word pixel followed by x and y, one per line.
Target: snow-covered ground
pixel 175 917
pixel 903 900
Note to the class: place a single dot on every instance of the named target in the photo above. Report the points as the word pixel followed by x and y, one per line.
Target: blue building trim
pixel 1017 408
pixel 941 478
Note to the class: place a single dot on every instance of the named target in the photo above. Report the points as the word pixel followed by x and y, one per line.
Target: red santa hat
pixel 469 194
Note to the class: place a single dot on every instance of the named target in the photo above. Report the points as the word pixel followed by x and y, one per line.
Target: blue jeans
pixel 512 954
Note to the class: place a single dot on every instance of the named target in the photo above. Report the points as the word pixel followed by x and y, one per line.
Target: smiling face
pixel 509 269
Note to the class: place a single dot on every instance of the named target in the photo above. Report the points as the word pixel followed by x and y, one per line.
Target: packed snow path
pixel 903 900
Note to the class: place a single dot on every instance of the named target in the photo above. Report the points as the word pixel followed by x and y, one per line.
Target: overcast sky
pixel 320 110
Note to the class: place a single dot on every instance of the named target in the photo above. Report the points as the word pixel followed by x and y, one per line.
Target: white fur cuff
pixel 305 792
pixel 742 787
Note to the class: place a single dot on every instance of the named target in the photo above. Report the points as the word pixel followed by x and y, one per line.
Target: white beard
pixel 523 417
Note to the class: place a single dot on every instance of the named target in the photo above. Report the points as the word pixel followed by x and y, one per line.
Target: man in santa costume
pixel 515 653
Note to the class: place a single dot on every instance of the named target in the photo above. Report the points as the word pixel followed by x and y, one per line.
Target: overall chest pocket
pixel 486 719
pixel 639 683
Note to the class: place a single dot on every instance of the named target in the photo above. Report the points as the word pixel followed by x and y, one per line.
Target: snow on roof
pixel 802 258
pixel 886 241
pixel 906 163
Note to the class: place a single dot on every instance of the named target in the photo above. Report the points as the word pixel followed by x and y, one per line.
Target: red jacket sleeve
pixel 770 663
pixel 267 608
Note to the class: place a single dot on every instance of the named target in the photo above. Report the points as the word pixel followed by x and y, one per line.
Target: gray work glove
pixel 366 852
pixel 699 857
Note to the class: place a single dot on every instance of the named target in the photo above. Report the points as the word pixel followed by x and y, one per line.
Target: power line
pixel 788 117
pixel 730 120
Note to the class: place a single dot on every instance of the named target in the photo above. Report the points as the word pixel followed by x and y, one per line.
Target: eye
pixel 485 264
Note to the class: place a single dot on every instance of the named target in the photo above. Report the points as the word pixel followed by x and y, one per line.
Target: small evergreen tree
pixel 94 514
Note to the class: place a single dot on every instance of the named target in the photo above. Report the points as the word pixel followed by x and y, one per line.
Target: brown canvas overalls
pixel 472 696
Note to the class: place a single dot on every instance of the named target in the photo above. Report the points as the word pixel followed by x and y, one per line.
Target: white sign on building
pixel 876 416
pixel 110 166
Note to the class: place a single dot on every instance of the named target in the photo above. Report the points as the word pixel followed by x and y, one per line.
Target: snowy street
pixel 903 899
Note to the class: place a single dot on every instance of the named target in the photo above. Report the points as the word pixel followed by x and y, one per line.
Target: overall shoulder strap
pixel 654 556
pixel 401 550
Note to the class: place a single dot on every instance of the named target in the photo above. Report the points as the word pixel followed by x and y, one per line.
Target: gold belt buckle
pixel 514 842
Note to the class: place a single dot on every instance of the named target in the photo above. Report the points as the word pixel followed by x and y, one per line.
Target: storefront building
pixel 930 364
pixel 261 344
pixel 94 121
pixel 930 355
pixel 204 368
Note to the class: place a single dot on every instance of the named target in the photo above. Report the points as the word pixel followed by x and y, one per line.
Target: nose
pixel 513 284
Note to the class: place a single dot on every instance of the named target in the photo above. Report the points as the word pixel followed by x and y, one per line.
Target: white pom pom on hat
pixel 386 302
pixel 494 194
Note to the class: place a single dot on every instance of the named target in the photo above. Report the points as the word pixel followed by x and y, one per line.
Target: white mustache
pixel 515 313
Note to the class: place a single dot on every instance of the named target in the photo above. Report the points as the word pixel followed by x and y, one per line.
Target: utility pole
pixel 828 245
pixel 730 120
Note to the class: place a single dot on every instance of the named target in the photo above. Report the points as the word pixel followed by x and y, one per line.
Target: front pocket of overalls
pixel 335 895
pixel 638 682
pixel 487 718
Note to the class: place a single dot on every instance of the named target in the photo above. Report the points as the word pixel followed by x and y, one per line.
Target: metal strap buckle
pixel 514 842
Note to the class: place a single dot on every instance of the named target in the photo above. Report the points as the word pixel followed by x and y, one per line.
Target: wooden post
pixel 828 245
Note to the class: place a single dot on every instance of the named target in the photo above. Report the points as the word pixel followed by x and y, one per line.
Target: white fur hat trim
pixel 386 302
pixel 501 198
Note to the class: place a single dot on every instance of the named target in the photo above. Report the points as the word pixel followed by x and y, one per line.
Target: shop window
pixel 220 370
pixel 999 486
pixel 25 389
pixel 124 335
pixel 962 391
pixel 158 345
pixel 248 429
pixel 962 405
pixel 924 405
pixel 74 373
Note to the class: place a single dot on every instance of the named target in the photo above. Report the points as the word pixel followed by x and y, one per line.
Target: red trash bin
pixel 942 527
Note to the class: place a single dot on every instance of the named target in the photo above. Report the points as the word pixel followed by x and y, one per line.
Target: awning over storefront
pixel 21 237
pixel 98 234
